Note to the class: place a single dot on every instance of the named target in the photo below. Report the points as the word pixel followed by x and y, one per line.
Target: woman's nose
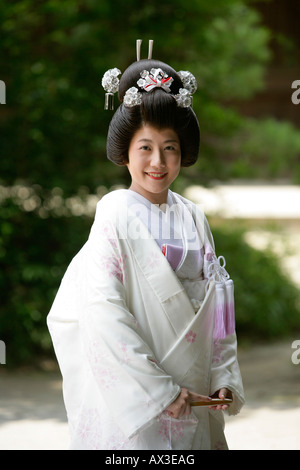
pixel 158 159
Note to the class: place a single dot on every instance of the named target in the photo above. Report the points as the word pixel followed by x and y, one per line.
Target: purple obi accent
pixel 225 311
pixel 214 270
pixel 173 254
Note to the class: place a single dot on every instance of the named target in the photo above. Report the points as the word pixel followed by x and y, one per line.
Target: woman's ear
pixel 125 160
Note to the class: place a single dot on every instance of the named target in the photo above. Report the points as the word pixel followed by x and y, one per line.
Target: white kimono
pixel 129 334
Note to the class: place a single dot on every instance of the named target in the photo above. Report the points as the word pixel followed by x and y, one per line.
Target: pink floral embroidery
pixel 190 337
pixel 153 260
pixel 115 266
pixel 96 433
pixel 125 356
pixel 170 428
pixel 89 429
pixel 100 363
pixel 107 232
pixel 218 352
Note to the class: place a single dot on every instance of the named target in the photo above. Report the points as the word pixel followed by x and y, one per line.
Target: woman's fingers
pixel 182 405
pixel 194 397
pixel 222 393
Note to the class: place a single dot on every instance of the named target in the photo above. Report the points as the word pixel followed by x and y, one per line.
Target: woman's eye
pixel 170 147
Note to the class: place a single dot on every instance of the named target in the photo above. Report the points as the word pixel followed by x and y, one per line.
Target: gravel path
pixel 270 419
pixel 32 414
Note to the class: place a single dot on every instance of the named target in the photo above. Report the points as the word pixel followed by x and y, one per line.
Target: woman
pixel 142 324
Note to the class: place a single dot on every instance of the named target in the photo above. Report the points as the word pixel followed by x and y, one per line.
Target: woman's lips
pixel 156 176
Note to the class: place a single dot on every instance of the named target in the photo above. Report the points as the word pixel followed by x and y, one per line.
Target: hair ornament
pixel 188 80
pixel 132 97
pixel 138 49
pixel 150 49
pixel 156 78
pixel 110 83
pixel 184 98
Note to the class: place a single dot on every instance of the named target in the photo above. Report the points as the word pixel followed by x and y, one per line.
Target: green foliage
pixel 234 54
pixel 34 253
pixel 260 139
pixel 267 302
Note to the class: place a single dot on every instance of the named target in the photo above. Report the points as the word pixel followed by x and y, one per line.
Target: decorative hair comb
pixel 155 78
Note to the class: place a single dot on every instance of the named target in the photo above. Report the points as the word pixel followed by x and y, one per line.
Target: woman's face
pixel 154 162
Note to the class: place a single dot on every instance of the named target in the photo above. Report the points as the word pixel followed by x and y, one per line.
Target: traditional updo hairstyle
pixel 158 109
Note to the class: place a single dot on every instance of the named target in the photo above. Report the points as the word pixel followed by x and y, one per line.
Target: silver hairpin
pixel 138 49
pixel 150 49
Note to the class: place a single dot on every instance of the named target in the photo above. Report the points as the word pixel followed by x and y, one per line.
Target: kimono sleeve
pixel 134 387
pixel 225 371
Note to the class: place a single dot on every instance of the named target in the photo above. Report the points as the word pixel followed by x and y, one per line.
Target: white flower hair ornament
pixel 156 78
pixel 110 83
pixel 132 97
pixel 188 80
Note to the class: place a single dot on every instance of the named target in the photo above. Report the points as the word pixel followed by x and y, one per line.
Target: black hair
pixel 158 109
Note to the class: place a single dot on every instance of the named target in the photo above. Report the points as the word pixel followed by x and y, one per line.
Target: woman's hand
pixel 222 393
pixel 182 405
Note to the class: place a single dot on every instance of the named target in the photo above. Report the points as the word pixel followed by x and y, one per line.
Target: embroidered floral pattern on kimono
pixel 218 352
pixel 115 266
pixel 191 337
pixel 99 361
pixel 170 427
pixel 91 431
